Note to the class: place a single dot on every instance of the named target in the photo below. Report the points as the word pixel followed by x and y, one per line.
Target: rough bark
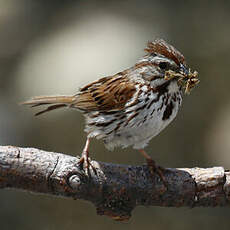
pixel 114 189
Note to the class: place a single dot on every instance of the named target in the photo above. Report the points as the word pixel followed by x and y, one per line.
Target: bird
pixel 133 106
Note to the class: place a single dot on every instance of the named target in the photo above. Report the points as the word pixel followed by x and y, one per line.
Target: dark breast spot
pixel 168 111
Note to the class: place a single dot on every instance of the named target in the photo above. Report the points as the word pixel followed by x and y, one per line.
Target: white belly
pixel 143 128
pixel 139 125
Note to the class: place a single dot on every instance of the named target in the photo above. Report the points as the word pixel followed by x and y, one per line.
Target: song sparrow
pixel 132 106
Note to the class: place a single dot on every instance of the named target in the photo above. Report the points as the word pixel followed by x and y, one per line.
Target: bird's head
pixel 168 64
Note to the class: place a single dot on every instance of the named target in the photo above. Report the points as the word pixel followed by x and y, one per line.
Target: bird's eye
pixel 163 65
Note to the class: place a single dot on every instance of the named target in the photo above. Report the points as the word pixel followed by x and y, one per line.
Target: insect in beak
pixel 185 77
pixel 191 81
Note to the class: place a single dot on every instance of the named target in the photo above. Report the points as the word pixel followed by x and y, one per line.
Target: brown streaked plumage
pixel 159 46
pixel 106 94
pixel 130 107
pixel 109 93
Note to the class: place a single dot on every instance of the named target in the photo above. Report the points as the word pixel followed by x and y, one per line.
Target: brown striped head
pixel 166 64
pixel 160 47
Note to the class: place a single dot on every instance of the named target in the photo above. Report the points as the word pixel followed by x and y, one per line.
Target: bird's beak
pixel 184 70
pixel 185 77
pixel 189 79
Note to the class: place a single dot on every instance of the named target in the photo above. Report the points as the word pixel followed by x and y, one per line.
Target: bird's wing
pixel 108 93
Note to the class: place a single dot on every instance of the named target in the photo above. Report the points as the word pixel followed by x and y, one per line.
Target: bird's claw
pixel 85 162
pixel 154 168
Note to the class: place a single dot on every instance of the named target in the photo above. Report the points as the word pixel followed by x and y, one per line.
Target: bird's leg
pixel 85 160
pixel 153 167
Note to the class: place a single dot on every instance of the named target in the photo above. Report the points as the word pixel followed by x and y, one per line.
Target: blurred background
pixel 55 47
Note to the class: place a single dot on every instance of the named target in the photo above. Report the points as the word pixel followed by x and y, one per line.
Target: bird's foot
pixel 85 162
pixel 154 168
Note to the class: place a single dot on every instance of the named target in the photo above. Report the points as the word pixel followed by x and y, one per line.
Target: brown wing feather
pixel 109 93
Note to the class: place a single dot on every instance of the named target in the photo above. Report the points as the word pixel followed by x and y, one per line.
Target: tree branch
pixel 114 189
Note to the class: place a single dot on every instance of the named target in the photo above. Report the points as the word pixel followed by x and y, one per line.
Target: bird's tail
pixel 53 102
